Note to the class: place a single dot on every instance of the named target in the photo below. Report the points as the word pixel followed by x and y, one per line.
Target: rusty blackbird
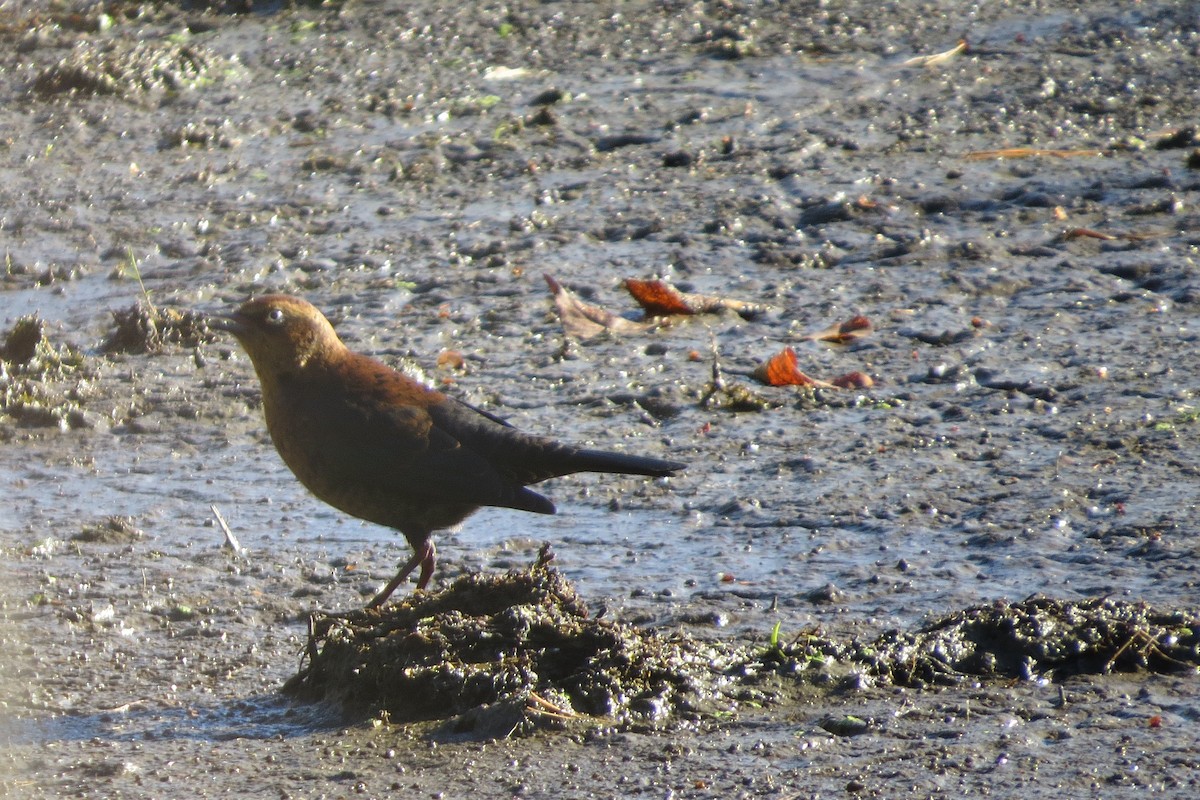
pixel 381 446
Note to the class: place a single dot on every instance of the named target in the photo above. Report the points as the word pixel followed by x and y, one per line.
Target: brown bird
pixel 383 447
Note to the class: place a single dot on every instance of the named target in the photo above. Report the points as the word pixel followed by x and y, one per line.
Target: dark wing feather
pixel 400 448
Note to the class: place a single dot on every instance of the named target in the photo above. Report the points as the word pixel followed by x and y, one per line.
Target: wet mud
pixel 970 567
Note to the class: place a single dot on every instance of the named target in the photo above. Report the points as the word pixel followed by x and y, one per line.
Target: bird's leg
pixel 427 564
pixel 424 555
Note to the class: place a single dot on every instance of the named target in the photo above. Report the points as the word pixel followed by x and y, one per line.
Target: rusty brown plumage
pixel 383 447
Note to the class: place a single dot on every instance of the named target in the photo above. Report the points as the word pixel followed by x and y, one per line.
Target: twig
pixel 230 540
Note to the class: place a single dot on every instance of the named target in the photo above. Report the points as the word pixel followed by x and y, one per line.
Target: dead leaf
pixel 849 331
pixel 782 369
pixel 584 320
pixel 660 299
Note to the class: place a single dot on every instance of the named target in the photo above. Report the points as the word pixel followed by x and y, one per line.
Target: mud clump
pixel 123 67
pixel 148 330
pixel 1038 637
pixel 521 642
pixel 1045 637
pixel 111 530
pixel 41 385
pixel 21 342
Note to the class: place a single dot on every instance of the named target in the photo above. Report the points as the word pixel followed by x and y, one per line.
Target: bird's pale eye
pixel 275 316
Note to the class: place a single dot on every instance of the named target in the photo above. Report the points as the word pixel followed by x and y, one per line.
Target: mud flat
pixel 1014 216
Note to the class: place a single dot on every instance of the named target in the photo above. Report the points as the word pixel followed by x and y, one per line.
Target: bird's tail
pixel 622 464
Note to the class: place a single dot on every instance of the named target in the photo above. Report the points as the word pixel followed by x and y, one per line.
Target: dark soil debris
pixel 522 640
pixel 41 384
pixel 111 530
pixel 147 330
pixel 124 67
pixel 20 345
pixel 1035 637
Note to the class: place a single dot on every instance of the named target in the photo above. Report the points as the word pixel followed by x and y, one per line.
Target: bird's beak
pixel 226 322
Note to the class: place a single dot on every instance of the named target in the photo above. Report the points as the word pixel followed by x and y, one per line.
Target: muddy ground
pixel 415 171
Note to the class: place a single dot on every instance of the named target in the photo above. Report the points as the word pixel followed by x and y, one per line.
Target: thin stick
pixel 230 540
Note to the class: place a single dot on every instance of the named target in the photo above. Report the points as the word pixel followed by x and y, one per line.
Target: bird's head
pixel 281 334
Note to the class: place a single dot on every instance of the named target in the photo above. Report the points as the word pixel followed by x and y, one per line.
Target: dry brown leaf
pixel 584 320
pixel 846 332
pixel 782 369
pixel 660 299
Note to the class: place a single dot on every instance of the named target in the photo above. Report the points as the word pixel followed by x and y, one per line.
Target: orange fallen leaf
pixel 851 330
pixel 782 369
pixel 660 299
pixel 584 320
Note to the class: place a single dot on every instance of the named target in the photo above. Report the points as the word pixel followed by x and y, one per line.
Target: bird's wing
pixel 402 448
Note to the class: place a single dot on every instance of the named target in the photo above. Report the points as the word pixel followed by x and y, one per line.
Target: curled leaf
pixel 846 332
pixel 782 369
pixel 660 299
pixel 584 320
